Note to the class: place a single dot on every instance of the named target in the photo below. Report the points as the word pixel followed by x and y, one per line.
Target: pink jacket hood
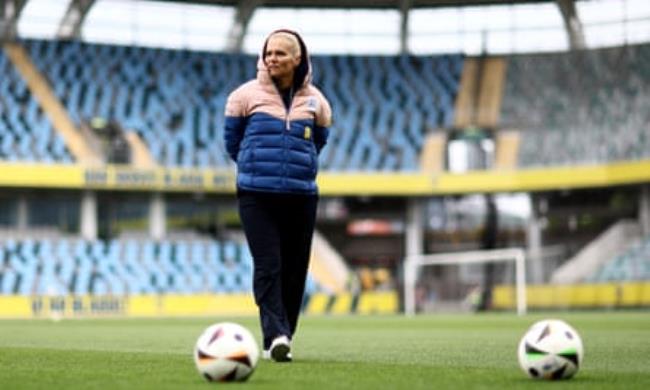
pixel 303 75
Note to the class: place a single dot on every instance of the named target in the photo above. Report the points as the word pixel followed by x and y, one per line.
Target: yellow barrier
pixel 56 307
pixel 379 302
pixel 503 297
pixel 318 303
pixel 173 305
pixel 369 302
pixel 605 295
pixel 192 305
pixel 342 304
pixel 143 305
pixel 601 295
pixel 15 307
pixel 114 177
pixel 645 296
pixel 631 294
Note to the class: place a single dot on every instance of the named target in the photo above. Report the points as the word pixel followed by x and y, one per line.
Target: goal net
pixel 462 280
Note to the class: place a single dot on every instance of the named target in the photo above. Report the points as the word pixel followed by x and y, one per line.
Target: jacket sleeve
pixel 235 124
pixel 322 123
pixel 320 137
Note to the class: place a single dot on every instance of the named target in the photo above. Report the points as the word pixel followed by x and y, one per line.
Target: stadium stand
pixel 384 105
pixel 66 266
pixel 140 89
pixel 582 107
pixel 26 134
pixel 633 264
pixel 60 266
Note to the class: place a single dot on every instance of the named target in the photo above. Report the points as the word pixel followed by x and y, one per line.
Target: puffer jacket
pixel 276 150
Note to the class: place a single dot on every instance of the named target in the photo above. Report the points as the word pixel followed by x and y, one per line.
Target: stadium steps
pixel 480 94
pixel 432 157
pixel 327 266
pixel 616 239
pixel 492 81
pixel 141 156
pixel 507 149
pixel 26 134
pixel 467 93
pixel 633 264
pixel 41 90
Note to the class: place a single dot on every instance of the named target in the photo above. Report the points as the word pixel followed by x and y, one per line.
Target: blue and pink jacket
pixel 276 149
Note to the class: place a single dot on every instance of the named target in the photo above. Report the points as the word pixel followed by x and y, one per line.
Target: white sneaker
pixel 266 355
pixel 280 350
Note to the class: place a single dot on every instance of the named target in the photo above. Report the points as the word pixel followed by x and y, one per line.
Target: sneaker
pixel 280 350
pixel 266 355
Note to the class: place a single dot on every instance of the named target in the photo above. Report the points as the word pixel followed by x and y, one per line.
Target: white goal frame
pixel 413 263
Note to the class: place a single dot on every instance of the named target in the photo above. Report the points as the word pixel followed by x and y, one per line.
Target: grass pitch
pixel 425 352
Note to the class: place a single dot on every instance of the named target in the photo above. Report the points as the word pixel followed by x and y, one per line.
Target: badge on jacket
pixel 312 104
pixel 307 133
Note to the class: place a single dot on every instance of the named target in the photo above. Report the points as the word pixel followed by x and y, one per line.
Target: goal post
pixel 413 263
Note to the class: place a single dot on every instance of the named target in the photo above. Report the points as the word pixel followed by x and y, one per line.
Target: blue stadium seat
pixel 631 265
pixel 9 280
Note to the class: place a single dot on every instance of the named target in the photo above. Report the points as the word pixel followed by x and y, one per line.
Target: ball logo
pixel 550 349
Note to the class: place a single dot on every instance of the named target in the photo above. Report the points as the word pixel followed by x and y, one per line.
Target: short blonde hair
pixel 294 45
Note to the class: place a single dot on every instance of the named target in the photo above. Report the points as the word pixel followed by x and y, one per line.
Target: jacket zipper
pixel 287 124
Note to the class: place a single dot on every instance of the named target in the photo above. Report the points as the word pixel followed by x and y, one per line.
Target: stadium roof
pixel 471 27
pixel 367 4
pixel 246 8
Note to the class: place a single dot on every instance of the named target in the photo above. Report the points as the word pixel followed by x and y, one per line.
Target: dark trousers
pixel 279 230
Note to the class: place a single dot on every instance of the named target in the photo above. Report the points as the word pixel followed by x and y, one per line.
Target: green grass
pixel 425 352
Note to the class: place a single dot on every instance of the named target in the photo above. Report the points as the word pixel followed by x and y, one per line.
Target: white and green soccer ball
pixel 550 349
pixel 226 352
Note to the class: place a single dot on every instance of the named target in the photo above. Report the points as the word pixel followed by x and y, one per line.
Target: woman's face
pixel 281 58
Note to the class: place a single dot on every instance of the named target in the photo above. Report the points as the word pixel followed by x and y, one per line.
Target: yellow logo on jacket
pixel 307 134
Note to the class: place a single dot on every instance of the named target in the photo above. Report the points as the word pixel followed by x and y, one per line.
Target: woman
pixel 276 125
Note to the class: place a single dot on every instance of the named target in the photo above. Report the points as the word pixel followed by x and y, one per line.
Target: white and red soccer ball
pixel 226 352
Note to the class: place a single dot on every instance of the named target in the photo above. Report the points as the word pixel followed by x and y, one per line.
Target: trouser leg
pixel 263 234
pixel 296 238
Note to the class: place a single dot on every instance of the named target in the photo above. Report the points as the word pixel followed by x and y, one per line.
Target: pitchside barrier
pixel 57 307
pixel 123 177
pixel 580 296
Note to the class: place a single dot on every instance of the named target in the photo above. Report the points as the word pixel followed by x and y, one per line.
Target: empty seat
pixel 139 87
pixel 121 267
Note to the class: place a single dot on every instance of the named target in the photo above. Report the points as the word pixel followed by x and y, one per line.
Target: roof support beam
pixel 405 9
pixel 72 21
pixel 572 24
pixel 10 11
pixel 245 10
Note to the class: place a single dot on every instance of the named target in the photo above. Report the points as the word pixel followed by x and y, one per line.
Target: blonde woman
pixel 276 126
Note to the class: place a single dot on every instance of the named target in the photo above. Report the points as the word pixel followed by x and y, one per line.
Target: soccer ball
pixel 550 349
pixel 226 352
